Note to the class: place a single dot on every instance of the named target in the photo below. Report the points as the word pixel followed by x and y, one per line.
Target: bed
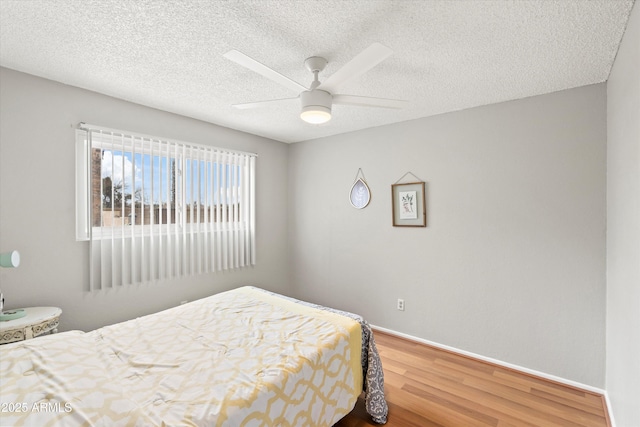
pixel 246 357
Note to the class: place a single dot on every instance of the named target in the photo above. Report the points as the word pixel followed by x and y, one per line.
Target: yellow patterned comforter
pixel 238 358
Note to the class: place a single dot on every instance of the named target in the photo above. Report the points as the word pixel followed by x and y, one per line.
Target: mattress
pixel 239 358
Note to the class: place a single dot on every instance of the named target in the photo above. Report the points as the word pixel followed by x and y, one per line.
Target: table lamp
pixel 10 260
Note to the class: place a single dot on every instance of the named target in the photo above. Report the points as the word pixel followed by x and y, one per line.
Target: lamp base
pixel 12 314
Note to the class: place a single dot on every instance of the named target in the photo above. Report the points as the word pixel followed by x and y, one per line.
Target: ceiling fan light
pixel 316 106
pixel 315 114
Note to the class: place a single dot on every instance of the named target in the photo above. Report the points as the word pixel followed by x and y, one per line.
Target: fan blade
pixel 250 63
pixel 261 104
pixel 365 101
pixel 363 62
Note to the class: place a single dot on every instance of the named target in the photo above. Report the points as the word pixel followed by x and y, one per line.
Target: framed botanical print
pixel 409 207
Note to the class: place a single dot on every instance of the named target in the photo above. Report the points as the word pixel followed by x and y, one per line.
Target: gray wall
pixel 37 199
pixel 512 262
pixel 623 228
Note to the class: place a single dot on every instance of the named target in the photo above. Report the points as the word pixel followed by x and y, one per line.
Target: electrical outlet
pixel 400 304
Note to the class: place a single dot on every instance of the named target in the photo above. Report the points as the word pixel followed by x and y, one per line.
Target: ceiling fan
pixel 317 100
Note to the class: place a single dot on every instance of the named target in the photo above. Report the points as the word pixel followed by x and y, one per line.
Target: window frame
pixel 85 197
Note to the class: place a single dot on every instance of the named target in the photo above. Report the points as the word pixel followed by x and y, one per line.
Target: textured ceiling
pixel 448 55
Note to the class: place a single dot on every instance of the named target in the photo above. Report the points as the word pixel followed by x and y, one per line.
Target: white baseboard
pixel 612 421
pixel 501 363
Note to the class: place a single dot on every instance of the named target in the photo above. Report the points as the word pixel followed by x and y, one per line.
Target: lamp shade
pixel 10 259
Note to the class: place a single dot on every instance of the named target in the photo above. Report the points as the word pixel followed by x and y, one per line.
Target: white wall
pixel 623 228
pixel 37 217
pixel 512 263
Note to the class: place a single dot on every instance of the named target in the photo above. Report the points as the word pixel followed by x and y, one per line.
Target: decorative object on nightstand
pixel 36 321
pixel 10 260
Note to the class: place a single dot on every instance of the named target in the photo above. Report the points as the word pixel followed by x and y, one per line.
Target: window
pixel 155 209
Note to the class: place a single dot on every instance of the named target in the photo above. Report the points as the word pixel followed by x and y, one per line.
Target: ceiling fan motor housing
pixel 316 106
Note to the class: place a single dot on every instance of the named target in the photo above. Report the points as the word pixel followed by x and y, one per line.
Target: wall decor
pixel 360 195
pixel 409 207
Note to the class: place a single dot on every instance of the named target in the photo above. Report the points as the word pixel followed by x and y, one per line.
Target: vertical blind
pixel 156 209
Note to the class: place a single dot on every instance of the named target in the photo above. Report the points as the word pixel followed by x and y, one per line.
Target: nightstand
pixel 37 321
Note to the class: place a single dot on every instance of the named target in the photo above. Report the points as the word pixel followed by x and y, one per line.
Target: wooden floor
pixel 426 386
